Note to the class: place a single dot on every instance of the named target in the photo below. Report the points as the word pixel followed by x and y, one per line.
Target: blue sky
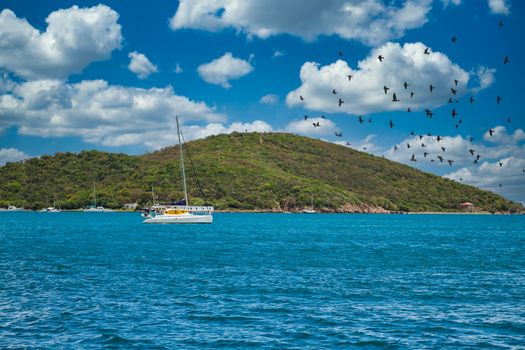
pixel 112 75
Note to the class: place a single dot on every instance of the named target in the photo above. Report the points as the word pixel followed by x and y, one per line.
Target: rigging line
pixel 193 167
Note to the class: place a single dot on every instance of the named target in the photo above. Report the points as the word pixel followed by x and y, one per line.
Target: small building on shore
pixel 131 206
pixel 467 206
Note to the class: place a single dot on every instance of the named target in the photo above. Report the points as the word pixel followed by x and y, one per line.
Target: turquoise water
pixel 104 280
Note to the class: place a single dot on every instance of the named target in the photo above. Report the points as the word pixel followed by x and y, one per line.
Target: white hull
pixel 179 219
pixel 97 210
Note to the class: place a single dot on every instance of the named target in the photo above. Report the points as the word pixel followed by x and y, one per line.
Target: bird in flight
pixel 443 149
pixel 454 39
pixel 350 77
pixel 341 102
pixel 454 91
pixel 498 99
pixel 491 131
pixel 412 94
pixel 394 98
pixel 406 85
pixel 340 53
pixel 456 82
pixel 301 97
pixel 426 51
pixel 472 99
pixel 413 159
pixel 385 89
pixel 391 124
pixel 429 113
pixel 454 113
pixel 439 138
pixel 409 109
pixel 334 92
pixel 440 159
pixel 339 134
pixel 316 124
pixel 361 119
pixel 506 60
pixel 500 23
pixel 472 151
pixel 425 154
pixel 380 58
pixel 450 162
pixel 431 87
pixel 305 117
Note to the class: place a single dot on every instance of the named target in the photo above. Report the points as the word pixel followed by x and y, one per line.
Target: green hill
pixel 250 171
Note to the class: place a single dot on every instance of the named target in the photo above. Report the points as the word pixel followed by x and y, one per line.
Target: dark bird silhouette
pixel 420 137
pixel 498 99
pixel 412 133
pixel 361 119
pixel 380 58
pixel 454 113
pixel 450 100
pixel 471 139
pixel 334 92
pixel 460 121
pixel 301 97
pixel 508 120
pixel 457 126
pixel 450 162
pixel 443 149
pixel 500 164
pixel 472 151
pixel 500 185
pixel 431 87
pixel 429 113
pixel 475 161
pixel 426 51
pixel 478 157
pixel 305 117
pixel 350 77
pixel 406 85
pixel 339 134
pixel 391 124
pixel 340 53
pixel 491 131
pixel 409 110
pixel 395 148
pixel 472 99
pixel 316 124
pixel 412 94
pixel 425 154
pixel 408 145
pixel 506 60
pixel 500 24
pixel 423 145
pixel 439 138
pixel 413 159
pixel 341 102
pixel 440 159
pixel 369 120
pixel 323 117
pixel 394 98
pixel 385 89
pixel 454 39
pixel 454 91
pixel 456 82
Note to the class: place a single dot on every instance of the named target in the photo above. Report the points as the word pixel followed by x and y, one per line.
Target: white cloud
pixel 221 70
pixel 364 93
pixel 485 77
pixel 455 2
pixel 489 176
pixel 269 99
pixel 306 127
pixel 500 7
pixel 100 113
pixel 11 155
pixel 277 53
pixel 140 65
pixel 74 38
pixel 178 69
pixel 501 136
pixel 369 21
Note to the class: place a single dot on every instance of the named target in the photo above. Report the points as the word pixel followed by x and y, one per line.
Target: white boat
pixel 312 210
pixel 13 208
pixel 179 213
pixel 94 208
pixel 52 209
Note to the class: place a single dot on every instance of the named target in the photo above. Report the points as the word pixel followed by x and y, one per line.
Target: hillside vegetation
pixel 250 171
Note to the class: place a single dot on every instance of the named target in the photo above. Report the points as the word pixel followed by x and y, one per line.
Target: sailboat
pixel 181 212
pixel 312 210
pixel 94 208
pixel 52 209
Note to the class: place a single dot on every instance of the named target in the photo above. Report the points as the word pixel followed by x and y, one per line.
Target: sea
pixel 75 280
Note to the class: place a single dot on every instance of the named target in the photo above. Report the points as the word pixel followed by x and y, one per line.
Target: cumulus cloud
pixel 178 69
pixel 73 39
pixel 490 175
pixel 501 136
pixel 370 21
pixel 485 77
pixel 306 127
pixel 364 93
pixel 100 113
pixel 223 69
pixel 447 2
pixel 500 7
pixel 269 99
pixel 11 155
pixel 140 65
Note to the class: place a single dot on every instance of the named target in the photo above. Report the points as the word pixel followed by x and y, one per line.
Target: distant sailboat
pixel 311 210
pixel 181 212
pixel 54 209
pixel 94 208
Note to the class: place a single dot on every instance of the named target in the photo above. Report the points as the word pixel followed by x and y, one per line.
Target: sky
pixel 113 75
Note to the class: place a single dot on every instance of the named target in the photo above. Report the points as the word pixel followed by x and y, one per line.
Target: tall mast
pixel 182 163
pixel 95 194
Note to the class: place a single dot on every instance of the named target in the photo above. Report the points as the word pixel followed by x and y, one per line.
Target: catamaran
pixel 94 208
pixel 181 212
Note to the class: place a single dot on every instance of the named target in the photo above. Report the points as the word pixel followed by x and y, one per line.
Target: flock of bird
pixel 454 90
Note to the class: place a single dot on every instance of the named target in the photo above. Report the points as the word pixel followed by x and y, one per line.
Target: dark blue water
pixel 80 280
